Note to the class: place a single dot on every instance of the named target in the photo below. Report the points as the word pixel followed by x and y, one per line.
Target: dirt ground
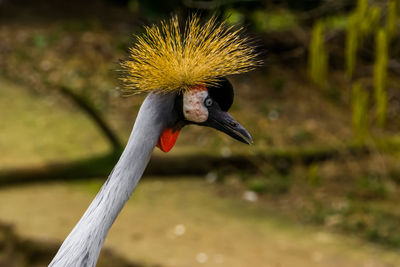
pixel 183 222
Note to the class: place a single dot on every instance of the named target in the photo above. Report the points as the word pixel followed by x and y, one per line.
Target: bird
pixel 182 68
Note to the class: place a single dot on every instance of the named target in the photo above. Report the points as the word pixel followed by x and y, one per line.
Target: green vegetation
pixel 351 46
pixel 318 56
pixel 362 22
pixel 313 176
pixel 360 120
pixel 273 183
pixel 380 76
pixel 392 18
pixel 273 21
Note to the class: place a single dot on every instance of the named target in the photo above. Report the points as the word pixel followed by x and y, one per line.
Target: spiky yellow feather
pixel 165 59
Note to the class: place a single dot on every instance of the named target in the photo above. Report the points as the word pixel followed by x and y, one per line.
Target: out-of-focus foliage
pixel 359 99
pixel 318 56
pixel 338 22
pixel 362 22
pixel 265 21
pixel 392 18
pixel 380 75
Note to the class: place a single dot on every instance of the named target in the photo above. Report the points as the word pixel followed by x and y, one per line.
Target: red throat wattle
pixel 167 139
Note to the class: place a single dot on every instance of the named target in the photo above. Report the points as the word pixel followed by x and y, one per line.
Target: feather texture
pixel 166 59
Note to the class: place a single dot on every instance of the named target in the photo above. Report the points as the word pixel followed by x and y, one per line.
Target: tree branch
pixel 84 105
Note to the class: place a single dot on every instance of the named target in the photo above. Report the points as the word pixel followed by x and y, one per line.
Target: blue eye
pixel 208 102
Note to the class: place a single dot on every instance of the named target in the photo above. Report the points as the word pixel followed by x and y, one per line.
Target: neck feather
pixel 83 245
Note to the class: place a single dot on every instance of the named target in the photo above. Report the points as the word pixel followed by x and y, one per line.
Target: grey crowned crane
pixel 183 73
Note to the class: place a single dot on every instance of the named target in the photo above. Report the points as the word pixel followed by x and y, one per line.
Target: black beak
pixel 224 122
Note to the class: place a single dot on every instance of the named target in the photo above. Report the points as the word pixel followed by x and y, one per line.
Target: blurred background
pixel 319 187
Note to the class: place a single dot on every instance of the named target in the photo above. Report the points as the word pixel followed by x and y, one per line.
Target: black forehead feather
pixel 222 93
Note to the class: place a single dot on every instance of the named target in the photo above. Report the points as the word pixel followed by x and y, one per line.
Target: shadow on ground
pixel 22 252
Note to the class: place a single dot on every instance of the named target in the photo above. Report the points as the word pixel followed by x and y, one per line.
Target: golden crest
pixel 166 59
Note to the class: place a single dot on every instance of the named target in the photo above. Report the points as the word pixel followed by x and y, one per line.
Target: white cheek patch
pixel 193 107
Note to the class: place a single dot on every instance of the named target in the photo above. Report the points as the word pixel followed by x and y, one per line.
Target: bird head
pixel 205 106
pixel 192 64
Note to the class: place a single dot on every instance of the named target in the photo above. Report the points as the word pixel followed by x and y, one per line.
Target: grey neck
pixel 82 246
